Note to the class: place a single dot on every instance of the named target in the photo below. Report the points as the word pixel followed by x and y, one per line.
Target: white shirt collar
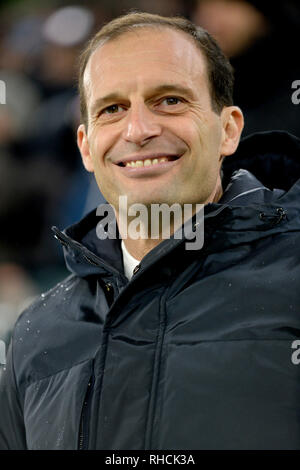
pixel 129 261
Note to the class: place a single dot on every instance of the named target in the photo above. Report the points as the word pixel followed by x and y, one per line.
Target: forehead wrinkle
pixel 167 76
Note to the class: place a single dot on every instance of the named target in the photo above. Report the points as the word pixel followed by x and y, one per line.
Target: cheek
pixel 184 130
pixel 99 146
pixel 195 131
pixel 210 135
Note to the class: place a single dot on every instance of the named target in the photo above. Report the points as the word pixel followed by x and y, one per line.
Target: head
pixel 156 91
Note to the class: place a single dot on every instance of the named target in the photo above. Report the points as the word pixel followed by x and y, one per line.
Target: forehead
pixel 147 56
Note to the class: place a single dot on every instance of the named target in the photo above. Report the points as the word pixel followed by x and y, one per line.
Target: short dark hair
pixel 219 70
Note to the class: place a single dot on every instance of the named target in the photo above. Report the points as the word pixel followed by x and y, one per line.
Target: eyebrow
pixel 100 102
pixel 165 88
pixel 172 87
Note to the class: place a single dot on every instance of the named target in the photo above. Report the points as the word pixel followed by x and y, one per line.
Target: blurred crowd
pixel 42 180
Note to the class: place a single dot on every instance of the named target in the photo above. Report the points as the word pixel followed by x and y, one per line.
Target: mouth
pixel 147 161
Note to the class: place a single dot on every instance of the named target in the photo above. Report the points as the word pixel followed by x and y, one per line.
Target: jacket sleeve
pixel 12 430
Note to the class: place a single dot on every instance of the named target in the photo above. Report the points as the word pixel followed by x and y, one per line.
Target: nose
pixel 141 125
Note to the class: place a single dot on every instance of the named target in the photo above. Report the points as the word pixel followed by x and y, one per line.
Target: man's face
pixel 148 102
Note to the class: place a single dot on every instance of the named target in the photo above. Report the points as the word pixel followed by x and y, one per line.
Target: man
pixel 191 349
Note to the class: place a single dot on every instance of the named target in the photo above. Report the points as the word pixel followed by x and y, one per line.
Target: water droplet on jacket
pixel 43 295
pixel 44 305
pixel 45 352
pixel 229 285
pixel 27 329
pixel 38 331
pixel 20 339
pixel 28 321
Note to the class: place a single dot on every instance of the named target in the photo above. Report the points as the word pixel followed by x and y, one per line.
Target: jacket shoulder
pixel 47 302
pixel 47 335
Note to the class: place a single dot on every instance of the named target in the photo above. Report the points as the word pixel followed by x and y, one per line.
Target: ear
pixel 233 123
pixel 84 147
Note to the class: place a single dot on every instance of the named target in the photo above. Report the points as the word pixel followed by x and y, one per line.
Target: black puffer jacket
pixel 195 352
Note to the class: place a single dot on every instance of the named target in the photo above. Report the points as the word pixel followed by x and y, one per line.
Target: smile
pixel 147 165
pixel 147 161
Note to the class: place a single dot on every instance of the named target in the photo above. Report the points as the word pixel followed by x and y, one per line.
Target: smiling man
pixel 149 345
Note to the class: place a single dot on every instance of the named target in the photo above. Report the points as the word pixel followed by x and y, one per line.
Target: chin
pixel 147 200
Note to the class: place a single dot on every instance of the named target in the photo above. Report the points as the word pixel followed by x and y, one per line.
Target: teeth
pixel 147 162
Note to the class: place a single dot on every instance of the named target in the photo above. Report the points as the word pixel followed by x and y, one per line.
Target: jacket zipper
pixel 83 427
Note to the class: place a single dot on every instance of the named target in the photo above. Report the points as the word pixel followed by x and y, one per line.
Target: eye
pixel 172 100
pixel 112 109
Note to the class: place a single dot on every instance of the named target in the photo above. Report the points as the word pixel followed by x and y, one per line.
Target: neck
pixel 140 247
